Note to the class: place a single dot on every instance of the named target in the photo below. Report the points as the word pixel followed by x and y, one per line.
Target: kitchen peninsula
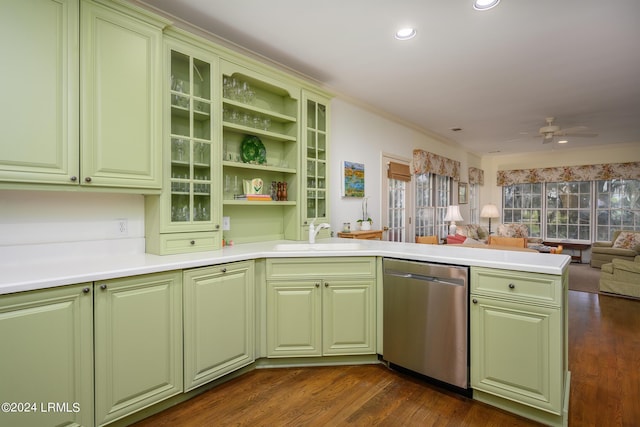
pixel 518 294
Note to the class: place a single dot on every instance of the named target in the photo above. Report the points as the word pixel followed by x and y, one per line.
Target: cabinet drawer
pixel 526 287
pixel 178 243
pixel 337 267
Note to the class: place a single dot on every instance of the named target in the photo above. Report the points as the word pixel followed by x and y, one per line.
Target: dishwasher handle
pixel 422 277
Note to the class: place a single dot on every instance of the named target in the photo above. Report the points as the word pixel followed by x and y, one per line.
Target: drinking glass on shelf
pixel 266 123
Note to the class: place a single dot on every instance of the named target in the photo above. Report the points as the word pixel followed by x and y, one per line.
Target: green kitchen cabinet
pixel 82 103
pixel 39 104
pixel 185 217
pixel 518 336
pixel 321 307
pixel 120 97
pixel 315 173
pixel 47 357
pixel 219 307
pixel 260 142
pixel 138 343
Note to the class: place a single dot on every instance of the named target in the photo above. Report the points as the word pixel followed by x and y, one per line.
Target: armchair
pixel 625 245
pixel 621 277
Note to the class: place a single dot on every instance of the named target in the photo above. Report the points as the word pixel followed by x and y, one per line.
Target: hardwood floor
pixel 604 359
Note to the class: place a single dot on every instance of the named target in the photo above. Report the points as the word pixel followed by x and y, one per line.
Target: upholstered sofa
pixel 473 231
pixel 624 244
pixel 621 277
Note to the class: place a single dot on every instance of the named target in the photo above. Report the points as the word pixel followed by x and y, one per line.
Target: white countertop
pixel 24 268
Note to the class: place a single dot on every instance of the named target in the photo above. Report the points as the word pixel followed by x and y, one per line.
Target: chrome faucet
pixel 313 230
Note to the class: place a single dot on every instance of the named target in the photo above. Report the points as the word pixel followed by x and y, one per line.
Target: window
pixel 567 211
pixel 522 204
pixel 474 204
pixel 433 195
pixel 618 207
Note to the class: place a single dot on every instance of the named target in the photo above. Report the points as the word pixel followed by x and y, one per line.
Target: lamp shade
pixel 453 214
pixel 490 211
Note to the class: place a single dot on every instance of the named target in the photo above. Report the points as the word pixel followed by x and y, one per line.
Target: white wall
pixel 28 217
pixel 362 136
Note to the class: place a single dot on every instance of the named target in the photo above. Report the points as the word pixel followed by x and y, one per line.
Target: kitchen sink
pixel 318 247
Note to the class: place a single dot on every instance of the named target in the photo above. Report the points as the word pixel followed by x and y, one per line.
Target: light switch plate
pixel 226 223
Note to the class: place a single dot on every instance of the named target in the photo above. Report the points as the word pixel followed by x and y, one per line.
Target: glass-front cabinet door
pixel 315 183
pixel 191 175
pixel 185 217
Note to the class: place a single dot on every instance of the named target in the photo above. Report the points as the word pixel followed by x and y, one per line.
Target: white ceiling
pixel 496 74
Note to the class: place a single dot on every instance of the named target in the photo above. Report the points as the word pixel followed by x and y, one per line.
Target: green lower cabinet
pixel 294 325
pixel 321 306
pixel 138 343
pixel 516 352
pixel 46 369
pixel 219 312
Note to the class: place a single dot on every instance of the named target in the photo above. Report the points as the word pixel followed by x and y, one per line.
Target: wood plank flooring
pixel 604 359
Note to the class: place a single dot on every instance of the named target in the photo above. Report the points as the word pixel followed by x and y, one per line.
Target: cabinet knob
pixel 74 178
pixel 326 285
pixel 193 242
pixel 87 179
pixel 217 226
pixel 317 285
pixel 224 270
pixel 103 286
pixel 512 286
pixel 475 301
pixel 86 290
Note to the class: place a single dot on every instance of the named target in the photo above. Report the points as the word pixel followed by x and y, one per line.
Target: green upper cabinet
pixel 188 209
pixel 82 101
pixel 121 102
pixel 315 114
pixel 39 104
pixel 260 142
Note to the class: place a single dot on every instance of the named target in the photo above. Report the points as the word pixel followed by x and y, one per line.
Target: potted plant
pixel 365 224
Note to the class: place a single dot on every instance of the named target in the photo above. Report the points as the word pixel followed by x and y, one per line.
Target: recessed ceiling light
pixel 563 141
pixel 485 4
pixel 405 33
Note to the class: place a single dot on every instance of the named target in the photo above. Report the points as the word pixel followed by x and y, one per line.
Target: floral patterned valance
pixel 570 173
pixel 476 176
pixel 425 162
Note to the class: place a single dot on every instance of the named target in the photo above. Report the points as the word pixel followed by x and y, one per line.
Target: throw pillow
pixel 470 241
pixel 627 240
pixel 455 240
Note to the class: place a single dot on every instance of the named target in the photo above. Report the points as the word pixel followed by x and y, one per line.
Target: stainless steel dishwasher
pixel 425 325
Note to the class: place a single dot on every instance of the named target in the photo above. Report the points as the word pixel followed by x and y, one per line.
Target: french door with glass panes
pixel 396 211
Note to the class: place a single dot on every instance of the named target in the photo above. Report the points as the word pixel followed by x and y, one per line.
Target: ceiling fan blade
pixel 578 134
pixel 573 129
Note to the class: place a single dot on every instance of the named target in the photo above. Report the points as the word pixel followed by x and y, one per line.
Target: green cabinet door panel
pixel 219 309
pixel 138 343
pixel 121 101
pixel 294 325
pixel 348 311
pixel 39 103
pixel 46 355
pixel 516 352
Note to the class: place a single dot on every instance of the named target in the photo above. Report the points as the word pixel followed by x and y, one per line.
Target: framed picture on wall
pixel 463 191
pixel 352 179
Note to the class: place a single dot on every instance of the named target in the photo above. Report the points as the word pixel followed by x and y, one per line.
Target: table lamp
pixel 490 211
pixel 453 215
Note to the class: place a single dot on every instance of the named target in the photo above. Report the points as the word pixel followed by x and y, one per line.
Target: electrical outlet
pixel 122 226
pixel 226 223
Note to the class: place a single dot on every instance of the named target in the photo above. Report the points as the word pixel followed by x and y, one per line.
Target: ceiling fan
pixel 550 130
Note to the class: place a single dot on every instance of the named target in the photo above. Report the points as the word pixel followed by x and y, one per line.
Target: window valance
pixel 425 162
pixel 603 171
pixel 476 176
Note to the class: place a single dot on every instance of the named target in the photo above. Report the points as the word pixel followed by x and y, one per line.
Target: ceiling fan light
pixel 405 33
pixel 485 4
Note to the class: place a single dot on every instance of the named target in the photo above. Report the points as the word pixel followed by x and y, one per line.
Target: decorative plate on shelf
pixel 252 150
